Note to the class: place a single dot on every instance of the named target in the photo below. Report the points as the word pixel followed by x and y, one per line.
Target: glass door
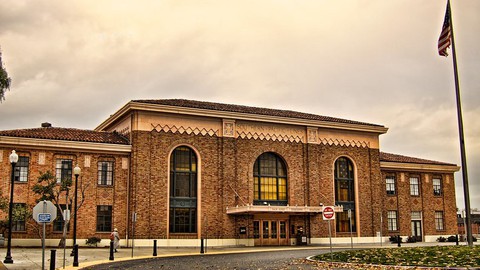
pixel 417 230
pixel 270 232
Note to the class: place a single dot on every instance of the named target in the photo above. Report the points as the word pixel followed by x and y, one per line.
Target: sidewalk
pixel 31 258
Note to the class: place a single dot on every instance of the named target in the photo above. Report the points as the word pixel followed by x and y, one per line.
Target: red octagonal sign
pixel 328 213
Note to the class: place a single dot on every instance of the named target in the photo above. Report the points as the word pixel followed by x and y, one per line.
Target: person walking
pixel 115 237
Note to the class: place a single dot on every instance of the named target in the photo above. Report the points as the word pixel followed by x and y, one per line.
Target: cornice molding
pixel 70 145
pixel 132 106
pixel 399 166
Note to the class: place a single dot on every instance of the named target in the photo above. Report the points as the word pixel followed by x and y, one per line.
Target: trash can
pixel 301 240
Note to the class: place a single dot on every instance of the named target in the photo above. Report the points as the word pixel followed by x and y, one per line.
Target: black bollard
pixel 201 246
pixel 456 239
pixel 111 258
pixel 399 241
pixel 52 259
pixel 154 247
pixel 75 256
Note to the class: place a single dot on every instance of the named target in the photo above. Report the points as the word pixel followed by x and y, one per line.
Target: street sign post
pixel 44 212
pixel 328 213
pixel 41 210
pixel 134 220
pixel 350 225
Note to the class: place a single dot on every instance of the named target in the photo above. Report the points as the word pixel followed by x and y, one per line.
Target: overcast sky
pixel 73 63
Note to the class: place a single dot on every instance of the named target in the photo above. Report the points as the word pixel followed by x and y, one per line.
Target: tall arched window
pixel 345 194
pixel 270 180
pixel 183 190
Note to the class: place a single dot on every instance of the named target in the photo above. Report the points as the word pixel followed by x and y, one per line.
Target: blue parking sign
pixel 44 218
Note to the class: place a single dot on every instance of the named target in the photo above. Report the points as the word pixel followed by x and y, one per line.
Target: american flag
pixel 445 37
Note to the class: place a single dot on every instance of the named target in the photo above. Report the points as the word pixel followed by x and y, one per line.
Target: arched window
pixel 270 180
pixel 183 190
pixel 345 194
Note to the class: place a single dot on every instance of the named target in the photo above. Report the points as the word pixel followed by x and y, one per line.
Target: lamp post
pixel 13 160
pixel 76 172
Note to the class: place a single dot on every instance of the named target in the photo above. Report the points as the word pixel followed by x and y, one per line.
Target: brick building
pixel 475 226
pixel 235 175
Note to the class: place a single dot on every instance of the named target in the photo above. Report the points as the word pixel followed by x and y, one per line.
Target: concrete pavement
pixel 31 258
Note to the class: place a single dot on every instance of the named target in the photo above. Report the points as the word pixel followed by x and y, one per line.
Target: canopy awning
pixel 294 210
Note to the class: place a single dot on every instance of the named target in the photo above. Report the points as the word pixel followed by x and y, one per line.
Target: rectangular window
pixel 437 186
pixel 274 230
pixel 256 229
pixel 104 218
pixel 59 222
pixel 183 220
pixel 343 221
pixel 390 182
pixel 392 221
pixel 344 190
pixel 283 229
pixel 19 217
pixel 265 229
pixel 414 186
pixel 439 222
pixel 105 173
pixel 416 215
pixel 63 170
pixel 21 169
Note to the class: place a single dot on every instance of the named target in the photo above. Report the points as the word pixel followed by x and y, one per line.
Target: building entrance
pixel 417 230
pixel 270 232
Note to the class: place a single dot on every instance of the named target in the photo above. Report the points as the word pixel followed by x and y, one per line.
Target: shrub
pixel 452 238
pixel 93 241
pixel 394 239
pixel 441 239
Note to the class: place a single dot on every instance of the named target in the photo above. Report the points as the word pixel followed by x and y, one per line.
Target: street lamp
pixel 76 172
pixel 13 160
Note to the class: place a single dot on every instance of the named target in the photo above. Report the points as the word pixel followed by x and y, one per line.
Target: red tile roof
pixel 67 134
pixel 247 109
pixel 387 157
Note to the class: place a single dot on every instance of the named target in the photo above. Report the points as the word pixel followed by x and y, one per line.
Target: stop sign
pixel 328 213
pixel 44 212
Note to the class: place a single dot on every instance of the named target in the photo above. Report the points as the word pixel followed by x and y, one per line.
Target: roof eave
pixel 132 105
pixel 65 144
pixel 416 167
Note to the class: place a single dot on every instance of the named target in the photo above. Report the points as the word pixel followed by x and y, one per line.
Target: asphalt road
pixel 291 259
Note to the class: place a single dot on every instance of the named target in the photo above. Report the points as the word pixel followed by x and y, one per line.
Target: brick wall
pixel 426 203
pixel 226 180
pixel 115 195
pixel 226 166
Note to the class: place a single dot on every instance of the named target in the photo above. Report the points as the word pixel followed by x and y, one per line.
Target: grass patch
pixel 439 256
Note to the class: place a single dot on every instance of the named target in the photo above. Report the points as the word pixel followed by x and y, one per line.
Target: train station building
pixel 235 175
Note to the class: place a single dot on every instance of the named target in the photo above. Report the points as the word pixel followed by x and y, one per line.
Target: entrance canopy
pixel 294 210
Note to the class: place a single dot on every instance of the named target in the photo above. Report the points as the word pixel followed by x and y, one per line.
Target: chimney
pixel 46 125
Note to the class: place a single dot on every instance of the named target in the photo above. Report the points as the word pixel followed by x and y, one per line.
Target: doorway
pixel 270 232
pixel 417 230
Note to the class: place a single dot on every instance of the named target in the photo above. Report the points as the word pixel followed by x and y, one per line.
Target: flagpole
pixel 466 192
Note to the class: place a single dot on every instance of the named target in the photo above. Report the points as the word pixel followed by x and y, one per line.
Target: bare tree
pixel 48 189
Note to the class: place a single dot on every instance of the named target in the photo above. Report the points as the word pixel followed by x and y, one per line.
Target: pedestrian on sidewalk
pixel 115 237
